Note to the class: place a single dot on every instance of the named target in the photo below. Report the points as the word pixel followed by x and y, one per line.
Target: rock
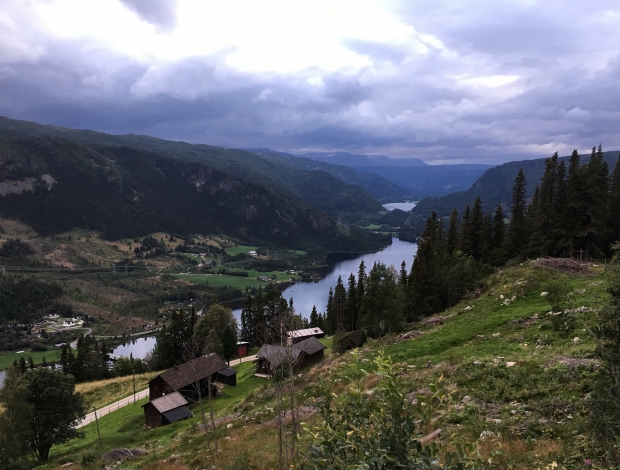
pixel 495 335
pixel 477 363
pixel 487 435
pixel 229 426
pixel 501 296
pixel 499 359
pixel 576 340
pixel 468 308
pixel 544 294
pixel 511 364
pixel 466 399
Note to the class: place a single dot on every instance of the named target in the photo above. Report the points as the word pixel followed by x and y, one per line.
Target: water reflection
pixel 307 294
pixel 139 347
pixel 403 206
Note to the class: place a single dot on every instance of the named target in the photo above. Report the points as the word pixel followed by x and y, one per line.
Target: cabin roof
pixel 305 332
pixel 309 346
pixel 228 372
pixel 192 371
pixel 355 337
pixel 277 355
pixel 168 402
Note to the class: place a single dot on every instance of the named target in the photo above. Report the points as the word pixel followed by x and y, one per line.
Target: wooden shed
pixel 165 410
pixel 227 376
pixel 187 377
pixel 243 348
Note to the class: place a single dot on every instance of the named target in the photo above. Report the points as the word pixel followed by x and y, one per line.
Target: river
pixel 403 206
pixel 308 294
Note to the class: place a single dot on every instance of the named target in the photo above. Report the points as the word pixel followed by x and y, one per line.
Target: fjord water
pixel 307 294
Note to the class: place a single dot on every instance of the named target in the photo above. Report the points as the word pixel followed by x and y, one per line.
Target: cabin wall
pixel 152 417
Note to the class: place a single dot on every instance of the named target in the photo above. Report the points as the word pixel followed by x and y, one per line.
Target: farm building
pixel 300 335
pixel 270 357
pixel 354 339
pixel 187 377
pixel 227 376
pixel 165 410
pixel 243 348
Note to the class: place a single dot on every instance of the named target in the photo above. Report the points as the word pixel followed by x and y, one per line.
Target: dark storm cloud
pixel 160 13
pixel 482 82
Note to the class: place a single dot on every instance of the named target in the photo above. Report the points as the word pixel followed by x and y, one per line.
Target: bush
pixel 382 429
pixel 38 347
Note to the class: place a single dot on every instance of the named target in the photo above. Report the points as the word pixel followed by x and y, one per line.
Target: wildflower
pixel 588 462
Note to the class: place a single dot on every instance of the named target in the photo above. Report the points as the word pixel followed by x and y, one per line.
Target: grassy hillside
pixel 519 378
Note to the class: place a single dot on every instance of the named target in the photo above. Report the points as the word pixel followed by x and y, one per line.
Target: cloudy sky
pixel 447 81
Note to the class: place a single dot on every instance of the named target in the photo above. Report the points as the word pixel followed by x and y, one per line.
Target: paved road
pixel 90 417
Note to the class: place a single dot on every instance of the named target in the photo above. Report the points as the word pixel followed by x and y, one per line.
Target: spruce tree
pixel 452 243
pixel 613 211
pixel 517 236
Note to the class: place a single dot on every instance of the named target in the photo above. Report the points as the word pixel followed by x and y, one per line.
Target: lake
pixel 307 294
pixel 139 347
pixel 403 206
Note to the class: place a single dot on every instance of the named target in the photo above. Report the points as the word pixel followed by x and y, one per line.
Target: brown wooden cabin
pixel 354 339
pixel 187 377
pixel 227 376
pixel 270 357
pixel 165 410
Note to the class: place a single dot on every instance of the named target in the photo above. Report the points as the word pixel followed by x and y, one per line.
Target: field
pixel 104 392
pixel 239 282
pixel 7 359
pixel 235 250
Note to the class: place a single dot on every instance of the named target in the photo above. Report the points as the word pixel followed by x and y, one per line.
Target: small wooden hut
pixel 227 376
pixel 165 410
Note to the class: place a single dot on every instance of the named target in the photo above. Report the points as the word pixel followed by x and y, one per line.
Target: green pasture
pixel 217 280
pixel 7 359
pixel 235 250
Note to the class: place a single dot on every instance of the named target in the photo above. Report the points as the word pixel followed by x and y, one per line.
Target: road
pixel 90 417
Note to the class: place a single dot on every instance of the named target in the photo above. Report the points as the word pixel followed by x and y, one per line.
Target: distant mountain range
pixel 494 187
pixel 410 175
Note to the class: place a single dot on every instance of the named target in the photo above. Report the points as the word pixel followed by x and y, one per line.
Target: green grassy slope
pixel 518 376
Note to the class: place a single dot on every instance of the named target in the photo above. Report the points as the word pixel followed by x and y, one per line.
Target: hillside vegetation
pixel 519 377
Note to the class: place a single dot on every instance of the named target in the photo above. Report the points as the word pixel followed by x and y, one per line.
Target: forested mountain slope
pixel 56 185
pixel 494 187
pixel 271 170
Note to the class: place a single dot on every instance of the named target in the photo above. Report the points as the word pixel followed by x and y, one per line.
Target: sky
pixel 480 81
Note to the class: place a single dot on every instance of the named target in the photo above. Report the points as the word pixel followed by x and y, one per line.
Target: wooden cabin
pixel 270 357
pixel 188 378
pixel 165 410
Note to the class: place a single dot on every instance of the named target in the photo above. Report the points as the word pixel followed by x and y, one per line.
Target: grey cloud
pixel 376 50
pixel 160 13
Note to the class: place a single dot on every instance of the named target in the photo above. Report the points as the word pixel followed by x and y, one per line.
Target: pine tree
pixel 452 243
pixel 465 235
pixel 613 211
pixel 330 314
pixel 517 236
pixel 352 310
pixel 476 230
pixel 314 318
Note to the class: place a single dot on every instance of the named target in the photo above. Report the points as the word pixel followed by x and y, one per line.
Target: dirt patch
pixel 59 257
pixel 575 362
pixel 301 413
pixel 109 317
pixel 404 337
pixel 122 454
pixel 565 265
